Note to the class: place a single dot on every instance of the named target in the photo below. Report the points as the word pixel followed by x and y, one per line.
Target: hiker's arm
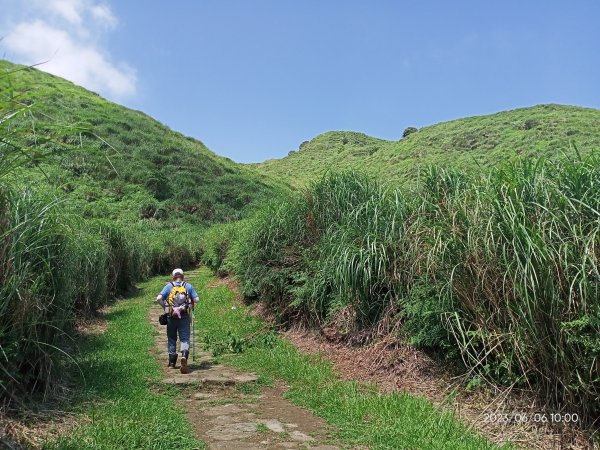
pixel 193 294
pixel 160 298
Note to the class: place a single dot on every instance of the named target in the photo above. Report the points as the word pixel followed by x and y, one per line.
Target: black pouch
pixel 163 319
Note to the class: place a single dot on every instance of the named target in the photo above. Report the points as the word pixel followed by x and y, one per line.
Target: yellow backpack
pixel 178 296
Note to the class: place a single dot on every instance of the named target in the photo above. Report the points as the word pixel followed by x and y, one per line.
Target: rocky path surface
pixel 228 410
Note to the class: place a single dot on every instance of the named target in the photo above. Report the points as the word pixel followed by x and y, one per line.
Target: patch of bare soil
pixel 31 429
pixel 496 413
pixel 94 325
pixel 229 282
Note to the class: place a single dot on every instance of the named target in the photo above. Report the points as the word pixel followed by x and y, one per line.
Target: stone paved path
pixel 228 410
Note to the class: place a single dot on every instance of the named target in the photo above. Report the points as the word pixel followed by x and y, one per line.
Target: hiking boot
pixel 184 365
pixel 172 360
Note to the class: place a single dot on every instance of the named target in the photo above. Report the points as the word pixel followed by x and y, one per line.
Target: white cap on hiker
pixel 177 272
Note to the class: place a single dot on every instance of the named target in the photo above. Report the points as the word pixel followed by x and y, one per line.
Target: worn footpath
pixel 229 410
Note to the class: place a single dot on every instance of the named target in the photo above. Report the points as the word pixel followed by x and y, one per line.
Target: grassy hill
pixel 544 130
pixel 121 164
pixel 94 197
pixel 92 189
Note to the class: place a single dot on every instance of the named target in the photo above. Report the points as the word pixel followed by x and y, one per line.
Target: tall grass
pixel 500 271
pixel 522 266
pixel 55 269
pixel 55 265
pixel 31 309
pixel 215 245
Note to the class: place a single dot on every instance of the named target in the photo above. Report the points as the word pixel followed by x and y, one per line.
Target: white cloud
pixel 104 15
pixel 70 10
pixel 66 36
pixel 84 65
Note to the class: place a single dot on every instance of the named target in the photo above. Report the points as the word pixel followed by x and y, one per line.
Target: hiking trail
pixel 228 409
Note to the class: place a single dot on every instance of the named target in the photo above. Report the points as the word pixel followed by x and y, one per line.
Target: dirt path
pixel 228 410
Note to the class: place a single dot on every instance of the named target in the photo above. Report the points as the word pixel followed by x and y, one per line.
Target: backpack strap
pixel 189 302
pixel 187 295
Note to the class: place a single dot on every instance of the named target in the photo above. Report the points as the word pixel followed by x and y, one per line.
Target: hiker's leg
pixel 172 336
pixel 184 336
pixel 184 333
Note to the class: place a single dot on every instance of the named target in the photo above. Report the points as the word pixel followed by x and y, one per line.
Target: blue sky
pixel 252 79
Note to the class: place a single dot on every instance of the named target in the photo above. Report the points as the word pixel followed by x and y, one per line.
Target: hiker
pixel 178 299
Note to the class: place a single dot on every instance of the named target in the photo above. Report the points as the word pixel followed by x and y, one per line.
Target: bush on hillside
pixel 408 131
pixel 530 123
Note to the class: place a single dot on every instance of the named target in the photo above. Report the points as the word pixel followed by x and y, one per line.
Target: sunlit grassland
pixel 468 144
pixel 119 163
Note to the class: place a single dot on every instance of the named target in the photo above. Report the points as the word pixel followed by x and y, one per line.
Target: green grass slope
pixel 94 197
pixel 544 130
pixel 121 164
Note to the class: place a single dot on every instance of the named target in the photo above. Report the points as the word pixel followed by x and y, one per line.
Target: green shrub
pixel 422 311
pixel 216 243
pixel 408 131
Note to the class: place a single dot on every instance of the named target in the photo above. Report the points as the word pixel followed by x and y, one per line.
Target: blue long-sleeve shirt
pixel 191 291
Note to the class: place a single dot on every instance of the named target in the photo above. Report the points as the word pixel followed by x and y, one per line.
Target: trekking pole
pixel 193 337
